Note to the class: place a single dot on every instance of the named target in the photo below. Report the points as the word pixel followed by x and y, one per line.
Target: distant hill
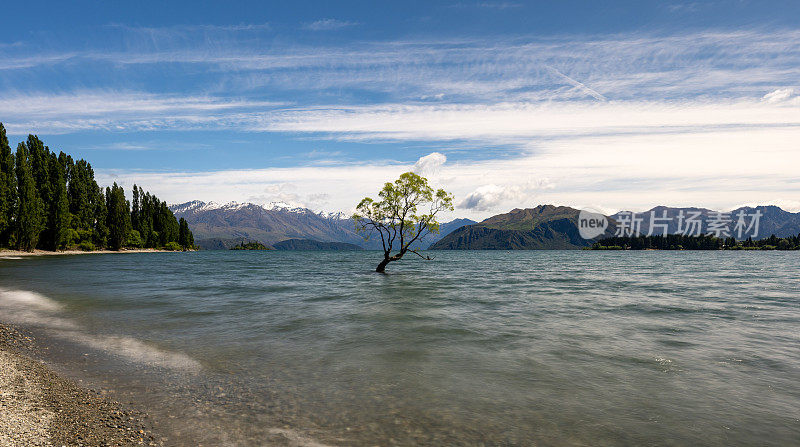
pixel 773 220
pixel 555 227
pixel 445 229
pixel 310 244
pixel 220 226
pixel 545 227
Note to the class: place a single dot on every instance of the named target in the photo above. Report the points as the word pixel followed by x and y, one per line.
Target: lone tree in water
pixel 405 213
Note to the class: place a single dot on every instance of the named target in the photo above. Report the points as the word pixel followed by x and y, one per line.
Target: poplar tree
pixel 80 195
pixel 8 190
pixel 135 208
pixel 183 233
pixel 119 217
pixel 29 205
pixel 166 225
pixel 39 156
pixel 58 217
pixel 99 215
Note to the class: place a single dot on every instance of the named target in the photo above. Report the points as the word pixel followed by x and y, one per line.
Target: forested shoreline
pixel 49 201
pixel 700 242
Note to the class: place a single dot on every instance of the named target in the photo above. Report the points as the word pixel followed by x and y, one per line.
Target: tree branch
pixel 427 258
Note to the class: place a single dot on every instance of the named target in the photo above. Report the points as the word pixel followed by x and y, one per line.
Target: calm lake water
pixel 494 348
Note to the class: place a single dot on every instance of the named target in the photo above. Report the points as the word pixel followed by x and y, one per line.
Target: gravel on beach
pixel 40 408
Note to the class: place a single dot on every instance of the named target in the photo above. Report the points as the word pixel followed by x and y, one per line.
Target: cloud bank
pixel 621 121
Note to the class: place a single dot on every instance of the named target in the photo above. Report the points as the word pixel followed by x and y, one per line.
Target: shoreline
pixel 10 254
pixel 39 407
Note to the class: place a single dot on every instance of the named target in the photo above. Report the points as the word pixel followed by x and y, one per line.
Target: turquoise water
pixel 494 348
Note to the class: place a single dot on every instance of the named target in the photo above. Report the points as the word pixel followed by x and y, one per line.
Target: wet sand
pixel 40 408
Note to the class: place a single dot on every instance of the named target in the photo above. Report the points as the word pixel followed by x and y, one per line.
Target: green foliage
pixel 8 190
pixel 80 192
pixel 73 237
pixel 99 208
pixel 84 235
pixel 250 246
pixel 118 217
pixel 185 237
pixel 136 208
pixel 59 215
pixel 155 222
pixel 405 213
pixel 134 240
pixel 173 246
pixel 29 221
pixel 86 246
pixel 52 202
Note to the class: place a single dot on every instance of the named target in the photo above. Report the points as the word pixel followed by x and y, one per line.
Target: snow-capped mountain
pixel 228 223
pixel 220 225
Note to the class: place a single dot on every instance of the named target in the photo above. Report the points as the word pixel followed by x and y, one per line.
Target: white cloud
pixel 486 197
pixel 718 170
pixel 492 197
pixel 327 25
pixel 518 123
pixel 779 95
pixel 429 164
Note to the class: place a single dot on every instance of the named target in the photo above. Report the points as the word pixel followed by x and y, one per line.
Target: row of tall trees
pixel 701 242
pixel 50 201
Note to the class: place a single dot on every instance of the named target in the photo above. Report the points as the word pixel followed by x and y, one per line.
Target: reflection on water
pixel 511 348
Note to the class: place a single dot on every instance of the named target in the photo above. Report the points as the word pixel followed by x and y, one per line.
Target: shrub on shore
pixel 173 246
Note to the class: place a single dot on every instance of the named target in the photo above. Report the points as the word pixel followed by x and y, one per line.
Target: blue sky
pixel 619 104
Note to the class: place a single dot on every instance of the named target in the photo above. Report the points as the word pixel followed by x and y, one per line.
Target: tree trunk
pixel 382 266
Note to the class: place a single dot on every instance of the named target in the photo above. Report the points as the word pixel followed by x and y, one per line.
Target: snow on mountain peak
pixel 196 206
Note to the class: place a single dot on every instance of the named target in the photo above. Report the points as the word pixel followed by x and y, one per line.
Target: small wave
pixel 295 438
pixel 10 257
pixel 36 310
pixel 24 297
pixel 135 350
pixel 33 309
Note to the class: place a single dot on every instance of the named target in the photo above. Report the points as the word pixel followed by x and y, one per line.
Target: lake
pixel 472 348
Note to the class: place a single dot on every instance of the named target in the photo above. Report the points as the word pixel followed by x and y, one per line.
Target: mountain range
pixel 221 226
pixel 556 227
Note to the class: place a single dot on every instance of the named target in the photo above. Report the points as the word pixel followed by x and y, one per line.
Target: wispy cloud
pixel 615 121
pixel 192 28
pixel 328 25
pixel 123 110
pixel 632 66
pixel 488 5
pixel 517 123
